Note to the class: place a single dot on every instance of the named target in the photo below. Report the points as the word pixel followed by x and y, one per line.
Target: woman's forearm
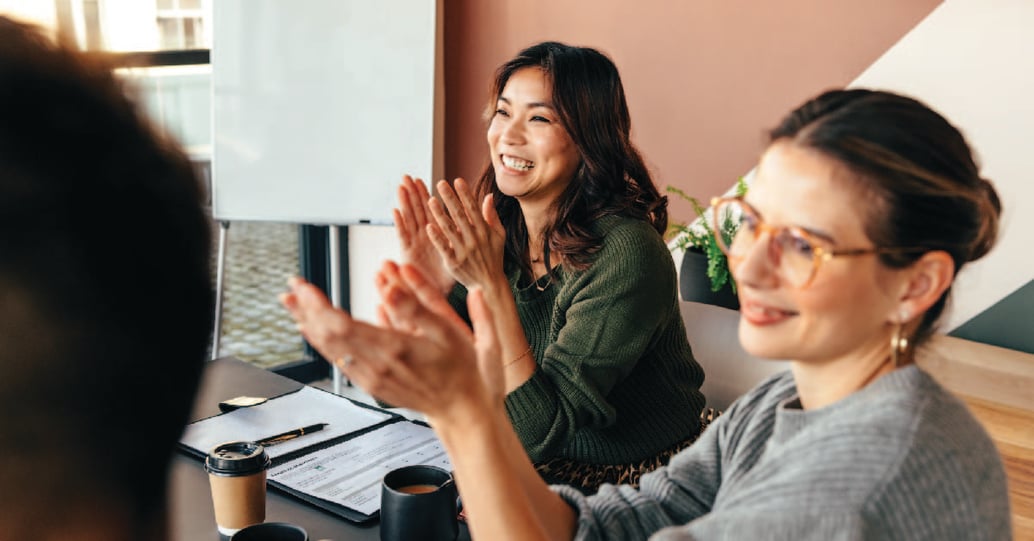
pixel 517 358
pixel 503 495
pixel 555 515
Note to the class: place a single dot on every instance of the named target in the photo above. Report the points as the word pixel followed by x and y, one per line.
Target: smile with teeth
pixel 517 163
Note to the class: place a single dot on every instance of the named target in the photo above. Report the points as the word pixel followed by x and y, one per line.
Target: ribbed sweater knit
pixel 900 459
pixel 616 380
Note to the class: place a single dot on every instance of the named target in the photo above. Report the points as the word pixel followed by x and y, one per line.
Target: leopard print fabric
pixel 588 477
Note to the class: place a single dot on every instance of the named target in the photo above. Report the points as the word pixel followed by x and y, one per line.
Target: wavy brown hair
pixel 610 180
pixel 917 175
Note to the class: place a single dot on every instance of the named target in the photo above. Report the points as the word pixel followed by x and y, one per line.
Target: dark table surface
pixel 191 515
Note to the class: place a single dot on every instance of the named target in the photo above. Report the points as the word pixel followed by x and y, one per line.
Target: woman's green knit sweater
pixel 616 380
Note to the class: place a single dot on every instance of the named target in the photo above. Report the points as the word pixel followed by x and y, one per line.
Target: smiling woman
pixel 572 224
pixel 562 234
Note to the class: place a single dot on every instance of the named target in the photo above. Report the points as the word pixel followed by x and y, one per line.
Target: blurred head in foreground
pixel 105 299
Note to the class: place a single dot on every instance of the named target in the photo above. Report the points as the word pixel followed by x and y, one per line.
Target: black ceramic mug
pixel 271 531
pixel 418 502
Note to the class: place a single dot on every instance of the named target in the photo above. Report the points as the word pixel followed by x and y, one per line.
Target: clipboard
pixel 337 469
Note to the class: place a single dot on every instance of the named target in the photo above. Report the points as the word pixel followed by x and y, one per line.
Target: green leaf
pixel 702 237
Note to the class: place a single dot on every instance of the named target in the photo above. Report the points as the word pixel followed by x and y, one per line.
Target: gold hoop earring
pixel 898 345
pixel 899 342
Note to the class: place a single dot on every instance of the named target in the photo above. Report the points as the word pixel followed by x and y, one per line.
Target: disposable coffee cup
pixel 237 474
pixel 271 531
pixel 418 503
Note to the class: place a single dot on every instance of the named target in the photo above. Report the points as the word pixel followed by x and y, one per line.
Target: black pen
pixel 291 434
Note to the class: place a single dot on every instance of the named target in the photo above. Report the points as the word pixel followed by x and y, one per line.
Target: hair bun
pixel 989 211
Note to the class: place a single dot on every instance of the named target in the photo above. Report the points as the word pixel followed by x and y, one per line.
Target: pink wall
pixel 704 78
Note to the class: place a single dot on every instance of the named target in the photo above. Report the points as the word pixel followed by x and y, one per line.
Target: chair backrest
pixel 729 371
pixel 998 386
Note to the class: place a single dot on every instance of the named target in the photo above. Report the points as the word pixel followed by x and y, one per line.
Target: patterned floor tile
pixel 260 256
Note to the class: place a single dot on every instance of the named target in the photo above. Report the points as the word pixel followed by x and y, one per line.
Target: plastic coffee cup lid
pixel 237 458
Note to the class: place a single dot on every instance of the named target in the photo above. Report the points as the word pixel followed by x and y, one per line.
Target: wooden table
pixel 191 515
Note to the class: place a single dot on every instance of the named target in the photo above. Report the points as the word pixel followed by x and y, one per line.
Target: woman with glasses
pixel 864 208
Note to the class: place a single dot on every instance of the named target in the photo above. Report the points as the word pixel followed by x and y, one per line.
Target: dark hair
pixel 611 178
pixel 105 290
pixel 921 181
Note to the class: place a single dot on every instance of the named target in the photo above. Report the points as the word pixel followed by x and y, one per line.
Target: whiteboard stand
pixel 220 269
pixel 334 237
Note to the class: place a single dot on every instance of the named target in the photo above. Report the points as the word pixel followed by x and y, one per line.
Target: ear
pixel 925 282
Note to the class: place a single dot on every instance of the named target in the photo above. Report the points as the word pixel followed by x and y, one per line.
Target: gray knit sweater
pixel 616 380
pixel 900 459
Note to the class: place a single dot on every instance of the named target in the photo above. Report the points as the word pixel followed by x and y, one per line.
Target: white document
pixel 305 407
pixel 350 472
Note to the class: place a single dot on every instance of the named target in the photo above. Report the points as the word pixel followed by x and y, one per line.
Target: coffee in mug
pixel 418 489
pixel 237 474
pixel 418 502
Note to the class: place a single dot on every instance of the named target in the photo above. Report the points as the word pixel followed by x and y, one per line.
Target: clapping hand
pixel 440 370
pixel 412 218
pixel 469 239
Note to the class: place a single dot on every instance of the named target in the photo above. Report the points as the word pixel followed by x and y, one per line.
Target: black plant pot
pixel 695 286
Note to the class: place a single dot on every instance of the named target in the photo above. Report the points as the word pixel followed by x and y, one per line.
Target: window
pixel 181 24
pixel 121 25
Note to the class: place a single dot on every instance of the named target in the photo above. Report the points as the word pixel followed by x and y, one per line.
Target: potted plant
pixel 701 255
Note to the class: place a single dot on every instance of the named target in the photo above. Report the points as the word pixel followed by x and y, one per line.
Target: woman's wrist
pixel 515 360
pixel 466 417
pixel 497 291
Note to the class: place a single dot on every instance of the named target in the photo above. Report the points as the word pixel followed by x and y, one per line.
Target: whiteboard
pixel 320 106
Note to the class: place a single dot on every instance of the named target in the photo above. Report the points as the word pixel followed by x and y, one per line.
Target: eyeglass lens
pixel 790 249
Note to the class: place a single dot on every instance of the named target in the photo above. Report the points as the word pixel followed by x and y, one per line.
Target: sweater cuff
pixel 533 409
pixel 580 504
pixel 530 397
pixel 532 401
